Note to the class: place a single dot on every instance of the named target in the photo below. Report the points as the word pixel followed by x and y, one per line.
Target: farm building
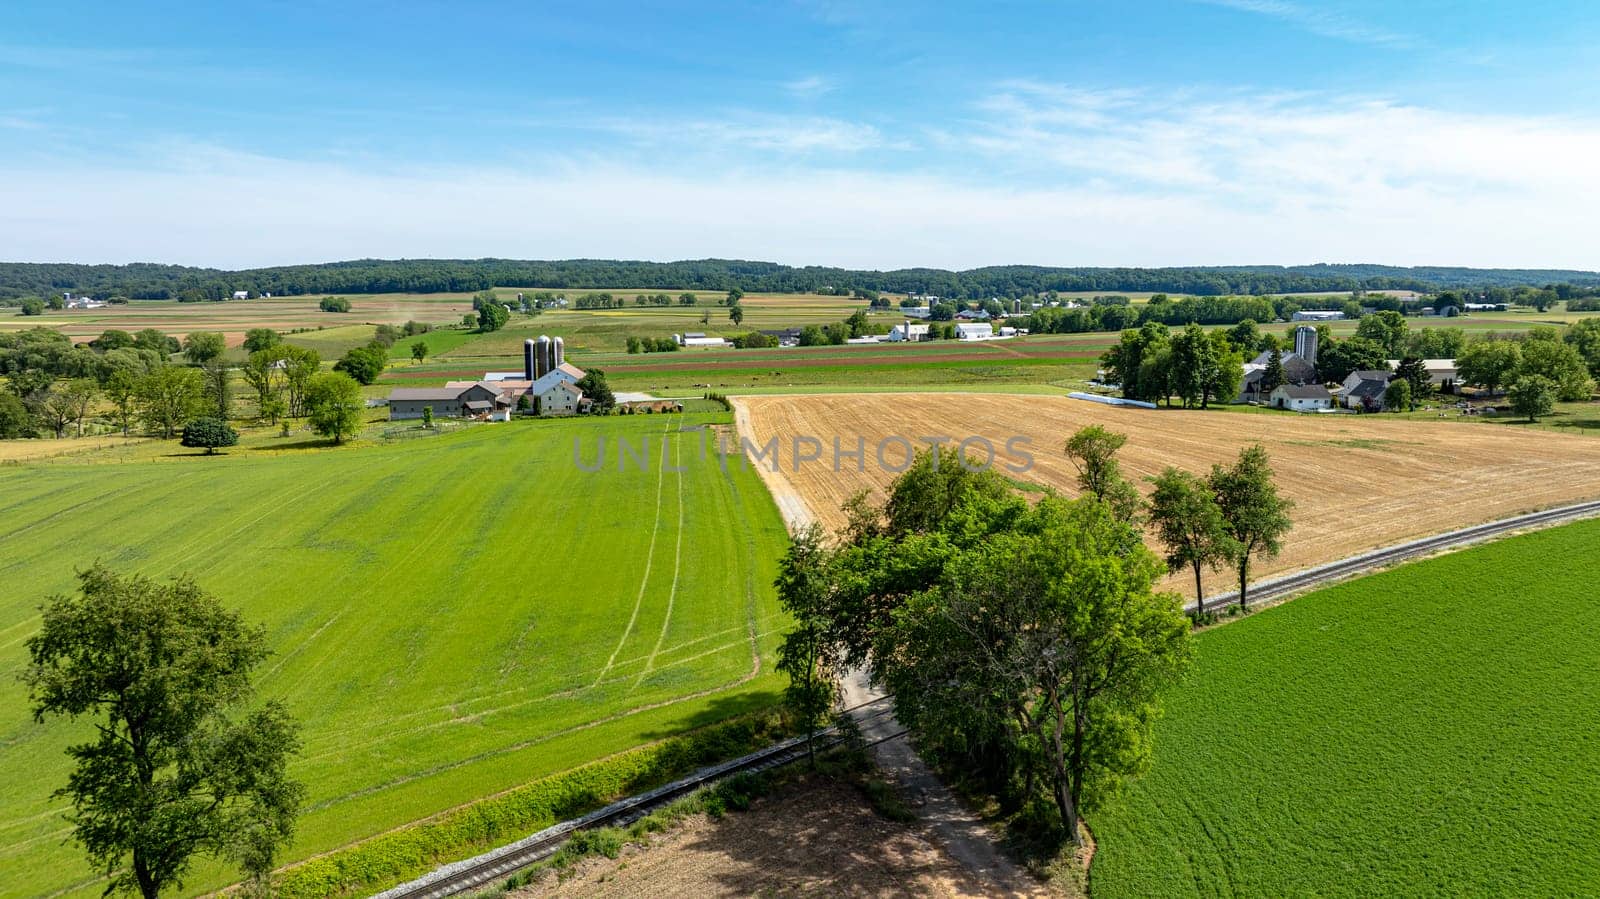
pixel 1441 372
pixel 241 294
pixel 557 398
pixel 1363 390
pixel 696 339
pixel 1301 398
pixel 1296 370
pixel 908 331
pixel 1313 315
pixel 975 331
pixel 476 398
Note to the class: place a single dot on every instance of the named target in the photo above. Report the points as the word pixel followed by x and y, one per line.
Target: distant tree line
pixel 146 281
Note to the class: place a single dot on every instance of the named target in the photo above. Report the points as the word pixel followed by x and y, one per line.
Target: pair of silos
pixel 542 356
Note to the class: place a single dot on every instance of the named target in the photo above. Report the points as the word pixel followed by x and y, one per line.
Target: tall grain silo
pixel 527 360
pixel 560 348
pixel 541 357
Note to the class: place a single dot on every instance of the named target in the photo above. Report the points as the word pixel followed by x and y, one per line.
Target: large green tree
pixel 15 419
pixel 1125 363
pixel 168 397
pixel 1584 336
pixel 807 654
pixel 1050 635
pixel 1490 364
pixel 65 404
pixel 178 764
pixel 258 339
pixel 1532 396
pixel 200 347
pixel 492 317
pixel 1093 452
pixel 299 366
pixel 597 391
pixel 219 388
pixel 1547 356
pixel 365 363
pixel 334 405
pixel 1186 518
pixel 1387 329
pixel 210 434
pixel 1336 359
pixel 1254 515
pixel 122 388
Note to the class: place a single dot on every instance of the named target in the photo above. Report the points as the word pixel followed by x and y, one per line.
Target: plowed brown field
pixel 1359 483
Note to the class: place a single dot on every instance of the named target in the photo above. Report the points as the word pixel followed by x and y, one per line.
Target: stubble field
pixel 1358 482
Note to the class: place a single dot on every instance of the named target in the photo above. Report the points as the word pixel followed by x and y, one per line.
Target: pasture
pixel 1359 482
pixel 451 616
pixel 1430 730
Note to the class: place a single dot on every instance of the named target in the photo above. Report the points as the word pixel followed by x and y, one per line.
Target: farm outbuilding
pixel 1301 398
pixel 446 402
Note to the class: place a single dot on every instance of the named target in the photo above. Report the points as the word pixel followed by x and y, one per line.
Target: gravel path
pixel 958 830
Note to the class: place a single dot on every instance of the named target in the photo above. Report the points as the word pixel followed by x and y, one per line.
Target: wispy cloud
pixel 771 134
pixel 810 87
pixel 1271 150
pixel 20 122
pixel 1319 20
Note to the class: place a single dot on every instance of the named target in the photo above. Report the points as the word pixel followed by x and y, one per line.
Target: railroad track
pixel 1336 571
pixel 491 866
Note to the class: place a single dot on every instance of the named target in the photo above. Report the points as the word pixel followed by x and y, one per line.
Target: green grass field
pixel 451 615
pixel 1430 730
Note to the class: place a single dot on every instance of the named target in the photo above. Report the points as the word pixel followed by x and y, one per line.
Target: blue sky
pixel 1148 132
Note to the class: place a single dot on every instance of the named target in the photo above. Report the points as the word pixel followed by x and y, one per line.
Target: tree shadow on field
pixel 716 710
pixel 1553 420
pixel 305 443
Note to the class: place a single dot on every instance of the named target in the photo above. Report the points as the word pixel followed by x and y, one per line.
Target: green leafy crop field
pixel 1431 730
pixel 451 616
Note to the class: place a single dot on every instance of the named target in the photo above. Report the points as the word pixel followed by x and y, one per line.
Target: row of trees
pixel 147 281
pixel 54 387
pixel 1199 367
pixel 1025 643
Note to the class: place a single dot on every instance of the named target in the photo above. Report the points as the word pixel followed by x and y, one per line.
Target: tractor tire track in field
pixel 677 566
pixel 543 738
pixel 389 735
pixel 644 582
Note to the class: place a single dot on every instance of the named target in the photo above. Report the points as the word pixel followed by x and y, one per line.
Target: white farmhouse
pixel 975 331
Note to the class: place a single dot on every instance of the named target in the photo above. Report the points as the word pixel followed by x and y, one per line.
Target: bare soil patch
pixel 813 837
pixel 1359 482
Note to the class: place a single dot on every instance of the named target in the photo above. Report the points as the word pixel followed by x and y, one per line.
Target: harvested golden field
pixel 1359 482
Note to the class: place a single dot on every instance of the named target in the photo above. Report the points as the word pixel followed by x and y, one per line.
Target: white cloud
pixel 1349 154
pixel 810 87
pixel 792 135
pixel 1319 21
